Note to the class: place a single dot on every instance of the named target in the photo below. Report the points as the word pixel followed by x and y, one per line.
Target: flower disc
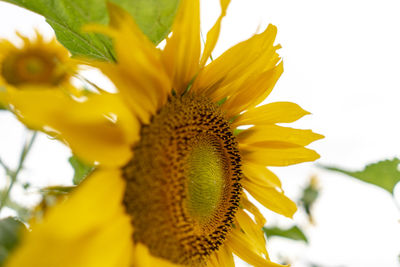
pixel 183 181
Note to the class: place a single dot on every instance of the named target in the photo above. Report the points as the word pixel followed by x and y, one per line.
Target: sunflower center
pixel 31 67
pixel 205 180
pixel 183 183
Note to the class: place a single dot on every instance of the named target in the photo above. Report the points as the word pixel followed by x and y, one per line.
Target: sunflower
pixel 174 165
pixel 36 63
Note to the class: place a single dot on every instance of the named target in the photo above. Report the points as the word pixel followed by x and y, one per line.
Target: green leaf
pixel 294 233
pixel 310 195
pixel 67 17
pixel 154 17
pixel 10 233
pixel 81 169
pixel 57 190
pixel 385 174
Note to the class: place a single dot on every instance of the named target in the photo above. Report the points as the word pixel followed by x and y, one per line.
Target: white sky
pixel 342 64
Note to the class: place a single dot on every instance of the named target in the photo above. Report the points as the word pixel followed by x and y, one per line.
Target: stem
pixel 14 174
pixel 204 42
pixel 8 171
pixel 90 83
pixel 25 151
pixel 396 202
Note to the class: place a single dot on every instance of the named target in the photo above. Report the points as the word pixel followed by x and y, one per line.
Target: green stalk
pixel 14 174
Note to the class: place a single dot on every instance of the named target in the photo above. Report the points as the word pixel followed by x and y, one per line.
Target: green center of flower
pixel 34 66
pixel 183 183
pixel 206 180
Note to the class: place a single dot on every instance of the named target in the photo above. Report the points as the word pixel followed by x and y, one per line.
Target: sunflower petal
pixel 242 247
pixel 141 103
pixel 253 92
pixel 258 135
pixel 213 33
pixel 249 206
pixel 213 261
pixel 260 174
pixel 278 156
pixel 182 51
pixel 142 258
pixel 235 66
pixel 252 231
pixel 271 198
pixel 139 73
pixel 277 112
pixel 225 257
pixel 100 129
pixel 74 231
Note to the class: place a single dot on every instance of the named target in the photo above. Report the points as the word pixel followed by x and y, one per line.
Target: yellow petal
pixel 91 202
pixel 261 136
pixel 260 174
pixel 100 129
pixel 253 92
pixel 249 206
pixel 225 257
pixel 142 258
pixel 277 112
pixel 213 261
pixel 182 51
pixel 138 95
pixel 252 231
pixel 278 156
pixel 271 198
pixel 213 33
pixel 241 246
pixel 74 231
pixel 139 73
pixel 236 65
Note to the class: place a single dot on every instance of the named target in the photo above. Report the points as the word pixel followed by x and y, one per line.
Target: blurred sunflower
pixel 36 63
pixel 171 161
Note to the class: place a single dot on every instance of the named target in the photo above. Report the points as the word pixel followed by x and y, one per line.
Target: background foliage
pixel 67 17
